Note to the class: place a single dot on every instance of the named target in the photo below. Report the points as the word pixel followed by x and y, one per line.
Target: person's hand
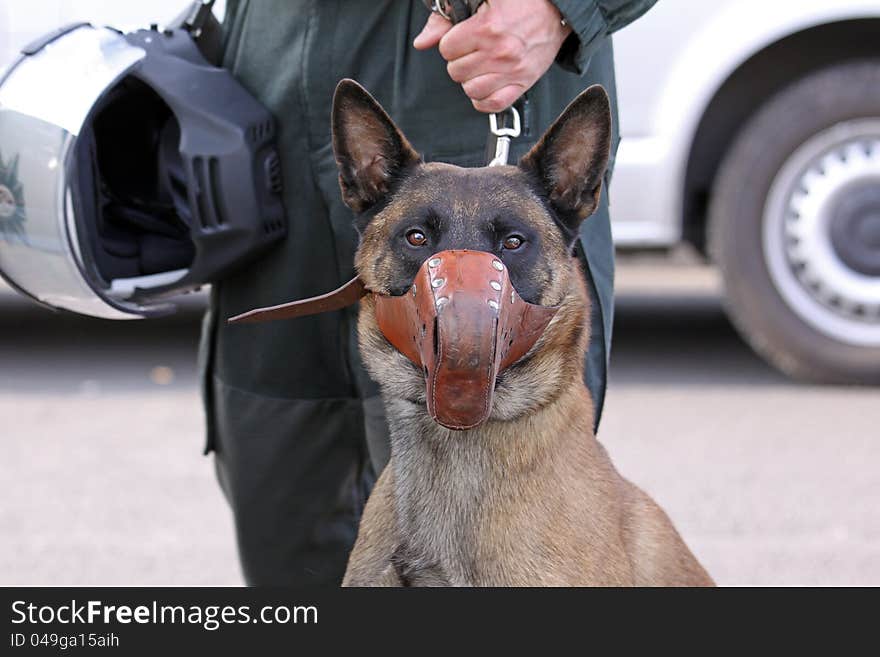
pixel 500 52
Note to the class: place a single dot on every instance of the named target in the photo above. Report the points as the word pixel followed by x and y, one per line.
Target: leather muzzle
pixel 462 322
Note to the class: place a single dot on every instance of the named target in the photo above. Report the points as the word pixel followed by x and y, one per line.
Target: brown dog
pixel 476 331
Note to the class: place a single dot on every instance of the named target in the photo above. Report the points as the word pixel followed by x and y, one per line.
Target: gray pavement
pixel 103 481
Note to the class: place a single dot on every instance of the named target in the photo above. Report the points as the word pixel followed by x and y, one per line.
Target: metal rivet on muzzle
pixel 493 304
pixel 414 289
pixel 433 262
pixel 495 285
pixel 497 264
pixel 438 282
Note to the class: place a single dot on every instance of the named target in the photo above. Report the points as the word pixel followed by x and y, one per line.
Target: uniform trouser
pixel 295 423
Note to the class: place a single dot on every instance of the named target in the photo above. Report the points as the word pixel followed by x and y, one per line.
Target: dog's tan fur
pixel 529 497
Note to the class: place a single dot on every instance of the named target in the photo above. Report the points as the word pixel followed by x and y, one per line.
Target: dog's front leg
pixel 370 563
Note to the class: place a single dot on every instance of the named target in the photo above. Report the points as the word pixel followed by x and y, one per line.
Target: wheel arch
pixel 741 94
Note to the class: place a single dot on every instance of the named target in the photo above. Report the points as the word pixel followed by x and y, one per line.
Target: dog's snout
pixel 478 326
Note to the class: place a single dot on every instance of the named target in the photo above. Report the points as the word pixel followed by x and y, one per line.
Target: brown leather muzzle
pixel 461 323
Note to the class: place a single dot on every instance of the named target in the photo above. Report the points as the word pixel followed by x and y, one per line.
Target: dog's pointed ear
pixel 570 159
pixel 370 150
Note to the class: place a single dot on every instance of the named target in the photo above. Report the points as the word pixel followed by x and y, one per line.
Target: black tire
pixel 814 103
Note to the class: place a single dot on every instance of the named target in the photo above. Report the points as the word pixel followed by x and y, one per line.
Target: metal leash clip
pixel 503 134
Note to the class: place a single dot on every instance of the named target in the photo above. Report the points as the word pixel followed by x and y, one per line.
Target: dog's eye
pixel 513 242
pixel 416 237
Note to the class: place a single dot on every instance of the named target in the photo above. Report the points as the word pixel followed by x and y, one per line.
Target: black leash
pixel 454 11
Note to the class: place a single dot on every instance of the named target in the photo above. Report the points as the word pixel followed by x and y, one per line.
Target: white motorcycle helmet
pixel 131 170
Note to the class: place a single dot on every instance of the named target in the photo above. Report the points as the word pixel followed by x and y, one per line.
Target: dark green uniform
pixel 295 422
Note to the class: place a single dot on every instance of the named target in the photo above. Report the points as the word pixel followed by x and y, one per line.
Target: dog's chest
pixel 418 570
pixel 441 522
pixel 433 550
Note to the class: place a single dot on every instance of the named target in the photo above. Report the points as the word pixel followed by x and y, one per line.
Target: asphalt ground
pixel 104 483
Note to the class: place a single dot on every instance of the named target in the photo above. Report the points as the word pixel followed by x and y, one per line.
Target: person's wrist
pixel 562 29
pixel 572 12
pixel 560 19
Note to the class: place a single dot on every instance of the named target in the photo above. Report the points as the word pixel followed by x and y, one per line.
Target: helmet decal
pixel 12 215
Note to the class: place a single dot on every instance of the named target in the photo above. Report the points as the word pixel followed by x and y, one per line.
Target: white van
pixel 751 129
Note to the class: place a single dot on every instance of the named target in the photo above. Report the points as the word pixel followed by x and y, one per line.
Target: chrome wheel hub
pixel 822 232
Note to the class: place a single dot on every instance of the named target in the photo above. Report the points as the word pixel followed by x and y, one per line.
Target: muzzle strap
pixel 340 298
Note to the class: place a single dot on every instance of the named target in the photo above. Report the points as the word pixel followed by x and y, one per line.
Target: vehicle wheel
pixel 794 225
